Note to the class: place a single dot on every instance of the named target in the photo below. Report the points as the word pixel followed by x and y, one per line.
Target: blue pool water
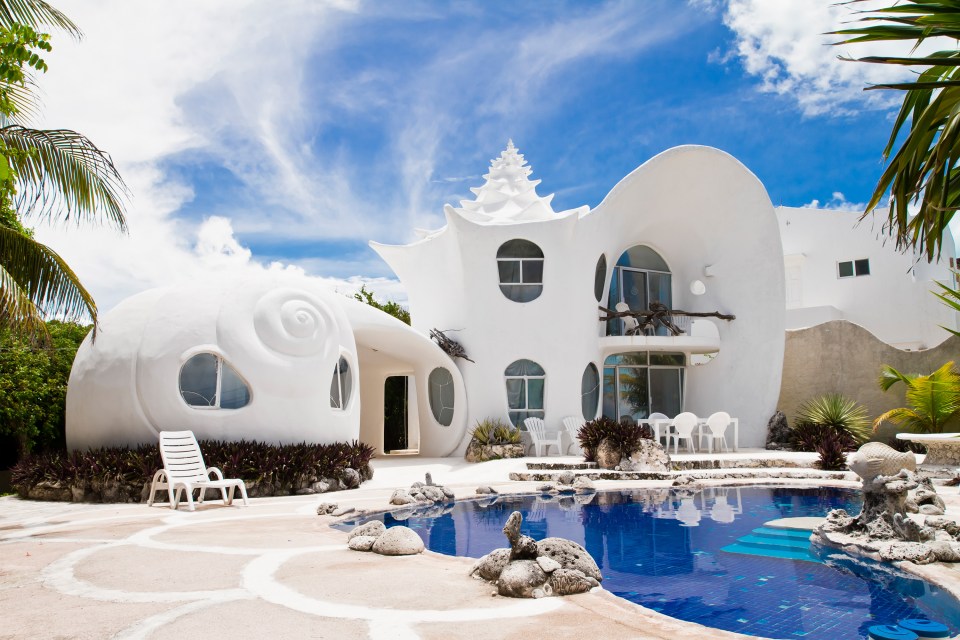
pixel 664 549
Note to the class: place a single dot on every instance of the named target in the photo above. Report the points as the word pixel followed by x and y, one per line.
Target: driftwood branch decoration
pixel 451 347
pixel 659 315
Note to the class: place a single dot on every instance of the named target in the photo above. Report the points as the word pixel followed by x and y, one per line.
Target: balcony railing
pixel 656 321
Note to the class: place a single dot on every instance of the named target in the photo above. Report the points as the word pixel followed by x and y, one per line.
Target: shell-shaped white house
pixel 275 358
pixel 520 287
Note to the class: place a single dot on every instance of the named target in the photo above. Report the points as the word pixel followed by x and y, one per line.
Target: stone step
pixel 707 474
pixel 689 465
pixel 560 466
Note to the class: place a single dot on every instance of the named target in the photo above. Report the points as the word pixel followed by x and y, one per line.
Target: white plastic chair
pixel 571 425
pixel 660 416
pixel 716 430
pixel 183 471
pixel 538 434
pixel 630 324
pixel 683 426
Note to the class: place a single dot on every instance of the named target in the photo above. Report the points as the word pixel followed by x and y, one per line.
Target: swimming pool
pixel 686 554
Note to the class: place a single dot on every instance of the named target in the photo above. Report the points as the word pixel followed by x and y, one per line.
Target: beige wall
pixel 842 357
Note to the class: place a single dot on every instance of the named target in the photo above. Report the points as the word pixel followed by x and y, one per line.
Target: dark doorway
pixel 395 389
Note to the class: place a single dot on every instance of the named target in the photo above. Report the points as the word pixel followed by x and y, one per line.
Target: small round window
pixel 520 265
pixel 341 384
pixel 441 395
pixel 206 380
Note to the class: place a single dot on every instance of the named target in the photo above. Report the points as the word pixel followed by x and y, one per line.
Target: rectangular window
pixel 853 268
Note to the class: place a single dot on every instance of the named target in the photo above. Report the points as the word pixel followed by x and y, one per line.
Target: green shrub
pixel 807 437
pixel 625 435
pixel 269 469
pixel 837 413
pixel 495 431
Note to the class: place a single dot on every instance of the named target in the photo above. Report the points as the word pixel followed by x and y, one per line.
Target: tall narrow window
pixel 600 277
pixel 525 381
pixel 341 384
pixel 520 265
pixel 441 395
pixel 206 380
pixel 590 391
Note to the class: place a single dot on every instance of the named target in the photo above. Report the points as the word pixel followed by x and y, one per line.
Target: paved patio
pixel 277 569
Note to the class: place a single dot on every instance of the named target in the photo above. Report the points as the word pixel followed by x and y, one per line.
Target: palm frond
pixel 950 297
pixel 34 273
pixel 890 376
pixel 62 174
pixel 36 14
pixel 17 311
pixel 908 418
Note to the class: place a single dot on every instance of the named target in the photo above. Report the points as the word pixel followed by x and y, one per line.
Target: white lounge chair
pixel 716 429
pixel 571 425
pixel 183 470
pixel 630 324
pixel 538 434
pixel 683 426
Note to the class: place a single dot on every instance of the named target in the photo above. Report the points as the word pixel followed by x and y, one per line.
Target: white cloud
pixel 785 44
pixel 837 202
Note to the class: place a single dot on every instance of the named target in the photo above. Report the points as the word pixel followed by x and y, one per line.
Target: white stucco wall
pixel 893 302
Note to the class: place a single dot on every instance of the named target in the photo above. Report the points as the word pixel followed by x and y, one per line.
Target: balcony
pixel 660 329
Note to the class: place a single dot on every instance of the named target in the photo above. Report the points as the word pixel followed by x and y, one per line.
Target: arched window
pixel 520 264
pixel 590 392
pixel 525 381
pixel 341 384
pixel 206 380
pixel 440 384
pixel 640 277
pixel 600 278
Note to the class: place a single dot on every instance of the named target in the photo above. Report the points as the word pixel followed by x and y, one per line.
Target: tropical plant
pixel 924 168
pixel 934 399
pixel 49 174
pixel 950 297
pixel 33 385
pixel 832 451
pixel 625 435
pixel 494 431
pixel 836 413
pixel 390 307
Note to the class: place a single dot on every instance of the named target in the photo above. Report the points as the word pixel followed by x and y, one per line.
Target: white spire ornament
pixel 508 196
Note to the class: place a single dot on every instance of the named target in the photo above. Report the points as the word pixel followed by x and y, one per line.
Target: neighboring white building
pixel 839 269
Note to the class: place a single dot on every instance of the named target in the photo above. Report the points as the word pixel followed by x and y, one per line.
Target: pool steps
pixel 770 542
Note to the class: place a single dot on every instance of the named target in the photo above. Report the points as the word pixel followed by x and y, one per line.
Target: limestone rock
pixel 570 555
pixel 548 565
pixel 491 565
pixel 402 497
pixel 342 511
pixel 931 510
pixel 519 579
pixel 546 488
pixel 945 551
pixel 583 484
pixel 429 479
pixel 567 477
pixel 351 478
pixel 607 455
pixel 398 541
pixel 374 528
pixel 681 481
pixel 649 457
pixel 570 581
pixel 326 508
pixel 485 489
pixel 433 493
pixel 778 432
pixel 362 543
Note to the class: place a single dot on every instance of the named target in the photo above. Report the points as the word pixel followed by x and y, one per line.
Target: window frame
pixel 855 266
pixel 525 382
pixel 218 390
pixel 338 375
pixel 521 262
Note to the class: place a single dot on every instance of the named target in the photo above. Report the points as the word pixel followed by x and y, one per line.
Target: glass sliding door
pixel 666 391
pixel 638 384
pixel 633 398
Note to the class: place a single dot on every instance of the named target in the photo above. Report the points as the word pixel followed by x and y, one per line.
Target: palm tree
pixel 924 168
pixel 934 399
pixel 48 174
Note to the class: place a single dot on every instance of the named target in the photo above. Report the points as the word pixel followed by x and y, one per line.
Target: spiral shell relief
pixel 294 322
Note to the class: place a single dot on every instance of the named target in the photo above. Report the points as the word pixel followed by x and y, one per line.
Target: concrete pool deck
pixel 277 569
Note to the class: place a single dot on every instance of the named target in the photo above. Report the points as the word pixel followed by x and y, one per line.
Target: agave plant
pixel 934 400
pixel 837 413
pixel 495 431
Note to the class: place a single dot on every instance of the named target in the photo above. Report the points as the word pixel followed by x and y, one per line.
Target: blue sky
pixel 291 132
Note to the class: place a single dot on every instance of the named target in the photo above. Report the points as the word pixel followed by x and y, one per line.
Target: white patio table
pixel 661 427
